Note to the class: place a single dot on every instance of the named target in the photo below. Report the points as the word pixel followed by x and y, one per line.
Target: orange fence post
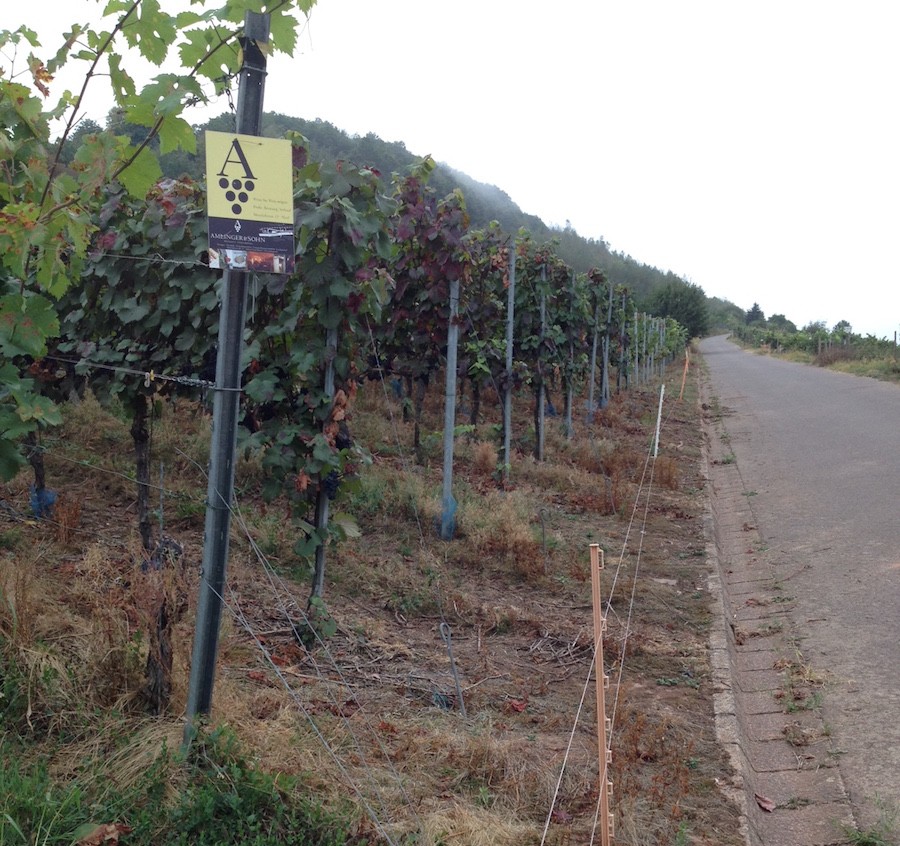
pixel 687 361
pixel 605 818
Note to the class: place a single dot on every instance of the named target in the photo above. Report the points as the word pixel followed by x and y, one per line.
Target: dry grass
pixel 77 617
pixel 665 472
pixel 498 528
pixel 485 457
pixel 462 823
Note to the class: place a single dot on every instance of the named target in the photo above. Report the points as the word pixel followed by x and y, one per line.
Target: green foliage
pixel 319 625
pixel 780 323
pixel 221 799
pixel 683 301
pixel 754 315
pixel 486 205
pixel 47 211
pixel 13 685
pixel 884 832
pixel 132 309
pixel 297 422
pixel 840 344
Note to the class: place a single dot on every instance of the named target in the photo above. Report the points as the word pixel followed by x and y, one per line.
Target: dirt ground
pixel 372 711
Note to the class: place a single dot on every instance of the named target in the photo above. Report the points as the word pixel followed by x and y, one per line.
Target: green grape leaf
pixel 141 174
pixel 25 324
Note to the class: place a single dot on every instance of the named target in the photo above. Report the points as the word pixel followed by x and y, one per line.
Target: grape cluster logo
pixel 237 191
pixel 250 203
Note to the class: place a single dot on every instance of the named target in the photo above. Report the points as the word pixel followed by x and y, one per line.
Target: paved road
pixel 819 457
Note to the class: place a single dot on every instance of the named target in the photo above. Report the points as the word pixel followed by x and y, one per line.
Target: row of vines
pixel 369 299
pixel 840 342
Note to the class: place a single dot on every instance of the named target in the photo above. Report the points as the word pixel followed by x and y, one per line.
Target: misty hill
pixel 484 202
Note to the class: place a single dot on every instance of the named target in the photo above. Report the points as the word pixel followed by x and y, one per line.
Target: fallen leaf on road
pixel 764 802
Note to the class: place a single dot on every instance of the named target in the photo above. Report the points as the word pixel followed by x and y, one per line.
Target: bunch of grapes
pixel 331 483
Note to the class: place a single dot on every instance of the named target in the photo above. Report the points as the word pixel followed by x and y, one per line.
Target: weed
pixel 484 457
pixel 882 833
pixel 795 803
pixel 9 539
pixel 485 798
pixel 319 625
pixel 666 471
pixel 682 836
pixel 674 681
pixel 805 703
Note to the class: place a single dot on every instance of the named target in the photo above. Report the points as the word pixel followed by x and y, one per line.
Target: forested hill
pixel 484 202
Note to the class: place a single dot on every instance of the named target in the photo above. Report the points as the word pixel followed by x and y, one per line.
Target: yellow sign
pixel 249 177
pixel 250 203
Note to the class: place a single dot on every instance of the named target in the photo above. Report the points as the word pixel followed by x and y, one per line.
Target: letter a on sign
pixel 250 203
pixel 239 158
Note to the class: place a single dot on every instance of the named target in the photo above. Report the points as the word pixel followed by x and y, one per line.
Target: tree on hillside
pixel 782 324
pixel 724 315
pixel 683 301
pixel 841 329
pixel 754 315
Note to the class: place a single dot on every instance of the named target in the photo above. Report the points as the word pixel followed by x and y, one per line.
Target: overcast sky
pixel 752 148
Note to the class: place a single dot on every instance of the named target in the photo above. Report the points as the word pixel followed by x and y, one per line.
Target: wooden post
pixel 604 820
pixel 687 362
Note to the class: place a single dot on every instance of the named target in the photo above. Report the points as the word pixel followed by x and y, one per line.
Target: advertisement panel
pixel 249 203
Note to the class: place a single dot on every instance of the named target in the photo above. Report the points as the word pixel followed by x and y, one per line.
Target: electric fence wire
pixel 158 259
pixel 280 589
pixel 562 769
pixel 242 619
pixel 624 646
pixel 651 460
pixel 649 463
pixel 590 672
pixel 267 566
pixel 274 578
pixel 238 614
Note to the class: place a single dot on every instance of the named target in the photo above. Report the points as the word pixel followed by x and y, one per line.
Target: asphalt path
pixel 819 453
